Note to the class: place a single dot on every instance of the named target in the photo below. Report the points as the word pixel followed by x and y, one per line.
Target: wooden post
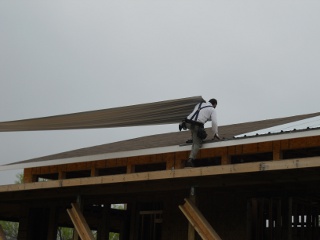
pixel 191 230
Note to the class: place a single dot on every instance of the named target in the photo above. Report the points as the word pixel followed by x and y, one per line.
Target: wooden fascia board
pixel 161 150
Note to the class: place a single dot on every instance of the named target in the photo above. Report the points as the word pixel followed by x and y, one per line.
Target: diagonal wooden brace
pixel 79 222
pixel 198 221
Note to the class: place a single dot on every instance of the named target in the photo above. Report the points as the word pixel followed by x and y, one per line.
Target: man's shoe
pixel 180 127
pixel 189 163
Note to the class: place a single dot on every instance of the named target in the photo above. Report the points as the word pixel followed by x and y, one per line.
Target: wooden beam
pixel 299 163
pixel 198 221
pixel 2 234
pixel 79 222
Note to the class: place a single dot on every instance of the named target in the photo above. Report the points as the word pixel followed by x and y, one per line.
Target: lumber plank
pixel 299 163
pixel 79 222
pixel 198 221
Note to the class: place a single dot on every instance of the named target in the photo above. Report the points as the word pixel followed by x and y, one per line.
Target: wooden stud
pixel 225 159
pixel 27 175
pixel 191 229
pixel 169 158
pixel 180 158
pixel 277 152
pixel 62 175
pixel 94 172
pixel 130 168
pixel 170 164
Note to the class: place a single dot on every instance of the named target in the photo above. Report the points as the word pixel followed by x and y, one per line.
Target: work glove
pixel 216 136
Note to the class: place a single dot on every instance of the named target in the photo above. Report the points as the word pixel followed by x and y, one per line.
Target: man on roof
pixel 203 112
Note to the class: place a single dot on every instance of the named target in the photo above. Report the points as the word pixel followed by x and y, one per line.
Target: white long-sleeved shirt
pixel 206 114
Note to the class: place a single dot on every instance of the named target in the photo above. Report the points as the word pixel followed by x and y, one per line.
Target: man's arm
pixel 214 125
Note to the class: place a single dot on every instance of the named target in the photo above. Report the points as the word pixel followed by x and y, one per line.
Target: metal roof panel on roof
pixel 308 123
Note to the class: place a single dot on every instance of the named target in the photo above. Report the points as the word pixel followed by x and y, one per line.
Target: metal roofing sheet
pixel 308 123
pixel 163 112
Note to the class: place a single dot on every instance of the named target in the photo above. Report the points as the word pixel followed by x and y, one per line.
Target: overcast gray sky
pixel 260 59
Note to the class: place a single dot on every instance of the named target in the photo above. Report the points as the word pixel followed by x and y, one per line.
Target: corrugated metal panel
pixel 164 112
pixel 308 123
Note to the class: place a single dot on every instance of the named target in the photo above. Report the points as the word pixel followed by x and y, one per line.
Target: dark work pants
pixel 196 141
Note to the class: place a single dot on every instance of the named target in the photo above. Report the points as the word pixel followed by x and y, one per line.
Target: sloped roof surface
pixel 171 139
